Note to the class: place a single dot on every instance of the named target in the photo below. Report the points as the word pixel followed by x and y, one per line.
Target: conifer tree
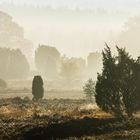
pixel 89 89
pixel 37 88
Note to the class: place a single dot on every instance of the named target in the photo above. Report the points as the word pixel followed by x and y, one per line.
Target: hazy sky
pixel 73 32
pixel 111 4
pixel 83 3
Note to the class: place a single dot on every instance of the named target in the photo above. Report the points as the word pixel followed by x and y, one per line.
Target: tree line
pixel 13 64
pixel 48 62
pixel 51 64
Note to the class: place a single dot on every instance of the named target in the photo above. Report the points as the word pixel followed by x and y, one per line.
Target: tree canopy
pixel 72 68
pixel 13 64
pixel 12 35
pixel 47 60
pixel 117 87
pixel 89 90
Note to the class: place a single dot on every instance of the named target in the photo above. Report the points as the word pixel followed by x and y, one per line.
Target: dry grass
pixel 23 119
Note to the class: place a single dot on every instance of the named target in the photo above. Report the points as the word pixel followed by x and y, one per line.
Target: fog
pixel 80 25
pixel 76 29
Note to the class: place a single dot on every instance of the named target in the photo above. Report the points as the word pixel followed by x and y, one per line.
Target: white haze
pixel 74 27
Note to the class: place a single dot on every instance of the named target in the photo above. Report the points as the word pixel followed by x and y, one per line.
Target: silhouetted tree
pixel 107 95
pixel 137 83
pixel 37 88
pixel 47 60
pixel 127 80
pixel 89 89
pixel 117 87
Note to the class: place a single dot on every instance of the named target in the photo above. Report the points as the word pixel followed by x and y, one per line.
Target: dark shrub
pixel 117 87
pixel 37 88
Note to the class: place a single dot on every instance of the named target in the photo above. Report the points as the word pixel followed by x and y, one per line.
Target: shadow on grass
pixel 73 128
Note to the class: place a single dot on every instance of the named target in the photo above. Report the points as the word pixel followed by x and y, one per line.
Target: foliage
pixel 107 95
pixel 13 64
pixel 37 88
pixel 89 89
pixel 3 83
pixel 117 88
pixel 12 35
pixel 72 68
pixel 69 70
pixel 46 60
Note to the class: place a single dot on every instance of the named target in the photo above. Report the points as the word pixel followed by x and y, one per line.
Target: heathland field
pixel 22 119
pixel 64 113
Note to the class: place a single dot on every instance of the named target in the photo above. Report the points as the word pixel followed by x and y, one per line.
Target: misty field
pixel 53 89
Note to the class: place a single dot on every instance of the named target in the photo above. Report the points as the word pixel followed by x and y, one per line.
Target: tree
pixel 47 60
pixel 72 68
pixel 117 88
pixel 127 80
pixel 3 83
pixel 12 35
pixel 89 89
pixel 13 64
pixel 107 94
pixel 136 69
pixel 37 88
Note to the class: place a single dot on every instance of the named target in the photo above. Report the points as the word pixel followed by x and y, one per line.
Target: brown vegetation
pixel 22 119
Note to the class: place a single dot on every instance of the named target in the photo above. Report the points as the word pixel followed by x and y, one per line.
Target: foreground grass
pixel 21 119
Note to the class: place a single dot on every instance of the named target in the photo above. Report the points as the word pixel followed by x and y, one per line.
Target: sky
pixel 74 27
pixel 111 4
